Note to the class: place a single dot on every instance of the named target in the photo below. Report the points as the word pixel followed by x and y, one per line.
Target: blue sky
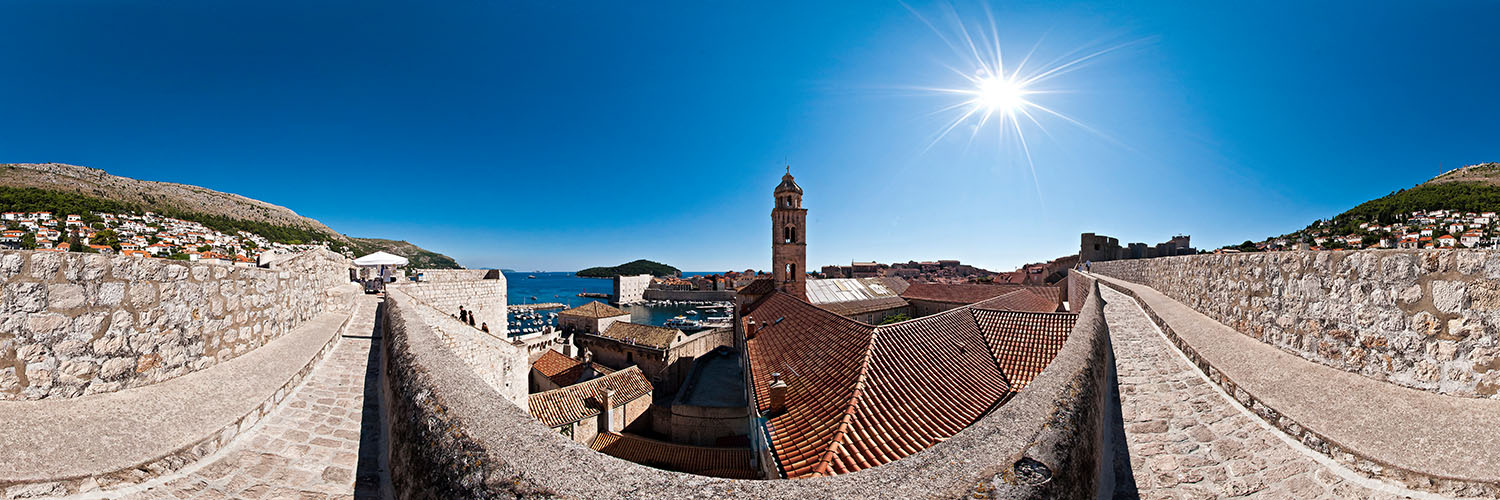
pixel 561 135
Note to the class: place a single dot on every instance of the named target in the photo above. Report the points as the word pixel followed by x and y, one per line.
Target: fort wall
pixel 485 298
pixel 447 275
pixel 73 324
pixel 1425 319
pixel 504 365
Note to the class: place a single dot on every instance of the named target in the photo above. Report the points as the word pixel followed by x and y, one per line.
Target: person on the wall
pixel 485 327
pixel 463 316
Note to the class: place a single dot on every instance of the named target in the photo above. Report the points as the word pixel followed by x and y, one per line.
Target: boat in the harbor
pixel 683 323
pixel 531 276
pixel 692 312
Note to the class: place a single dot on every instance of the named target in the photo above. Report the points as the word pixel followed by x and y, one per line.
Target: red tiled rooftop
pixel 643 335
pixel 861 396
pixel 594 309
pixel 968 293
pixel 576 402
pixel 732 463
pixel 552 363
pixel 1021 300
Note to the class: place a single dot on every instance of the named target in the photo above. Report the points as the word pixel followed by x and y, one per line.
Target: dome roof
pixel 787 184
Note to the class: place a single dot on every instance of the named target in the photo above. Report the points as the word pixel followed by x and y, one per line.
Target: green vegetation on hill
pixel 630 269
pixel 1464 196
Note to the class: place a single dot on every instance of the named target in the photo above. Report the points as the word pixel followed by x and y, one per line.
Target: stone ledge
pixel 453 436
pixel 103 441
pixel 1424 441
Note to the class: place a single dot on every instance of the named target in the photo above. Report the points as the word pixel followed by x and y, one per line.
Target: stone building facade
pixel 630 289
pixel 73 324
pixel 789 238
pixel 1425 319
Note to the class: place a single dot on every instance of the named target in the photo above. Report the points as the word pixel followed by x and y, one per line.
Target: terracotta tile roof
pixel 969 293
pixel 643 335
pixel 1020 300
pixel 853 307
pixel 595 310
pixel 760 286
pixel 861 396
pixel 733 463
pixel 1023 343
pixel 552 363
pixel 571 375
pixel 576 402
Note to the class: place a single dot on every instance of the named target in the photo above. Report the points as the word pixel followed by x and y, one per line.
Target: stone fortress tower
pixel 789 238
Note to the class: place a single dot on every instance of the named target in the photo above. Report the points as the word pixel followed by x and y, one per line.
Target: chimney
pixel 606 416
pixel 747 325
pixel 778 394
pixel 567 349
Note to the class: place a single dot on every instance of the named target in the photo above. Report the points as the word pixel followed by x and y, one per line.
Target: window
pixel 630 357
pixel 789 234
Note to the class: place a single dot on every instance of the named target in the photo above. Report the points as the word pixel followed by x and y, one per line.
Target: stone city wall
pixel 453 438
pixel 484 298
pixel 501 363
pixel 1425 319
pixel 73 324
pixel 448 275
pixel 689 295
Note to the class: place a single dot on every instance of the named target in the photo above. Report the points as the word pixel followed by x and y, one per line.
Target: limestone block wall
pixel 630 289
pixel 501 363
pixel 73 324
pixel 1426 319
pixel 448 275
pixel 485 298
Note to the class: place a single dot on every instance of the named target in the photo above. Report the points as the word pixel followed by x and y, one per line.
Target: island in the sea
pixel 632 268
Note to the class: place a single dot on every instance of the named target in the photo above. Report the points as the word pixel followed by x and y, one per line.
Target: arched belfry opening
pixel 789 237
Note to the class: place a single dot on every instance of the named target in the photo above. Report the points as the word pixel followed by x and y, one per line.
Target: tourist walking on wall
pixel 485 327
pixel 463 316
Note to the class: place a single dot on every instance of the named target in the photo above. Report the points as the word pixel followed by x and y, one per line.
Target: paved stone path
pixel 1188 441
pixel 310 447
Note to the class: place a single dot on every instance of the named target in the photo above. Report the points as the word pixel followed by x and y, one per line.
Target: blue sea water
pixel 563 287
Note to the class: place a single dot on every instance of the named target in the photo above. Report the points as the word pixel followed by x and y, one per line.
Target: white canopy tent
pixel 380 259
pixel 383 262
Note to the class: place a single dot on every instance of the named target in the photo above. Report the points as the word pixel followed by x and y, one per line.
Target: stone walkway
pixel 311 447
pixel 1187 440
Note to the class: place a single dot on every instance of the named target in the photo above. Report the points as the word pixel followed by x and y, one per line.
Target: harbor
pixel 536 297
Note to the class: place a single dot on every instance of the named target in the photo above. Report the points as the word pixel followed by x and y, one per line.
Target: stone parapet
pixel 1385 454
pixel 1425 319
pixel 73 324
pixel 454 436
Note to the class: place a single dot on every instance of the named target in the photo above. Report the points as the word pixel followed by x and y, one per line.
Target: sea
pixel 564 287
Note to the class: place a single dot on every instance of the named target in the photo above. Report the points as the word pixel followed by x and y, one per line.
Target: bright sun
pixel 999 94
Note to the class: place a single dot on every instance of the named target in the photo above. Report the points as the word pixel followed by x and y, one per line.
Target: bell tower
pixel 789 238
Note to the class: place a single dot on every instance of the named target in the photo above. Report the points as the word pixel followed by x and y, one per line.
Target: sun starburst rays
pixel 994 96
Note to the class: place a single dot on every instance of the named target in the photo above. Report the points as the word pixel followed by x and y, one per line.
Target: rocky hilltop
pixel 192 202
pixel 160 195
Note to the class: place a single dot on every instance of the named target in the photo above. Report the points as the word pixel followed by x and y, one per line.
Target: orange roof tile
pixel 552 363
pixel 576 402
pixel 733 463
pixel 643 335
pixel 1021 300
pixel 594 309
pixel 861 396
pixel 967 293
